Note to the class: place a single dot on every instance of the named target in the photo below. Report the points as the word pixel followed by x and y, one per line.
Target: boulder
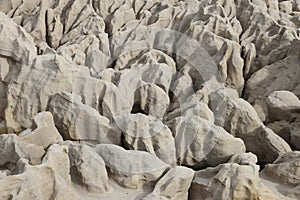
pixel 77 121
pixel 173 185
pixel 147 133
pixel 200 143
pixel 12 149
pixel 229 181
pixel 87 170
pixel 131 168
pixel 242 121
pixel 45 132
pixel 282 105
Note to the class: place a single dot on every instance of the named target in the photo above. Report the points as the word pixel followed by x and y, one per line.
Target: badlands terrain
pixel 149 100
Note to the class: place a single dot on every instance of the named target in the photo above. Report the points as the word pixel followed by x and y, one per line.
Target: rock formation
pixel 132 99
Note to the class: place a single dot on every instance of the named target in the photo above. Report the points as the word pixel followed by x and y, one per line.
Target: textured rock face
pixel 87 169
pixel 241 120
pixel 126 99
pixel 282 105
pixel 173 185
pixel 230 181
pixel 285 168
pixel 284 172
pixel 77 121
pixel 45 132
pixel 149 134
pixel 200 143
pixel 131 168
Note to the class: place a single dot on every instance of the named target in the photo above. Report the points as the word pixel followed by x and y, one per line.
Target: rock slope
pixel 131 99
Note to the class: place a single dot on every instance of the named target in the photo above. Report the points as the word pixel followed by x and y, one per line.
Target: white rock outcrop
pixel 126 99
pixel 131 168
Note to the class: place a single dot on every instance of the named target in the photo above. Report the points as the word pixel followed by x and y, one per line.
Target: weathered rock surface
pixel 284 175
pixel 12 149
pixel 200 143
pixel 131 168
pixel 173 185
pixel 281 75
pixel 53 74
pixel 285 168
pixel 230 181
pixel 241 120
pixel 139 88
pixel 282 105
pixel 73 119
pixel 146 133
pixel 290 132
pixel 45 181
pixel 87 169
pixel 45 132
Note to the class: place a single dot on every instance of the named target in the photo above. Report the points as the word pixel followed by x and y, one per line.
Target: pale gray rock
pixel 282 175
pixel 146 61
pixel 16 43
pixel 282 105
pixel 133 58
pixel 190 109
pixel 285 168
pixel 91 90
pixel 272 78
pixel 241 120
pixel 186 101
pixel 32 89
pixel 147 133
pixel 161 78
pixel 249 53
pixel 90 50
pixel 231 65
pixel 4 173
pixel 45 132
pixel 182 88
pixel 123 15
pixel 271 145
pixel 173 185
pixel 137 35
pixel 131 169
pixel 238 117
pixel 92 25
pixel 103 8
pixel 281 128
pixel 57 158
pixel 271 47
pixel 54 28
pixel 79 122
pixel 296 91
pixel 49 179
pixel 17 52
pixel 131 93
pixel 243 159
pixel 217 100
pixel 200 143
pixel 286 7
pixel 13 148
pixel 292 193
pixel 119 99
pixel 3 128
pixel 87 169
pixel 111 75
pixel 77 49
pixel 152 100
pixel 229 181
pixel 35 182
pixel 290 132
pixel 159 73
